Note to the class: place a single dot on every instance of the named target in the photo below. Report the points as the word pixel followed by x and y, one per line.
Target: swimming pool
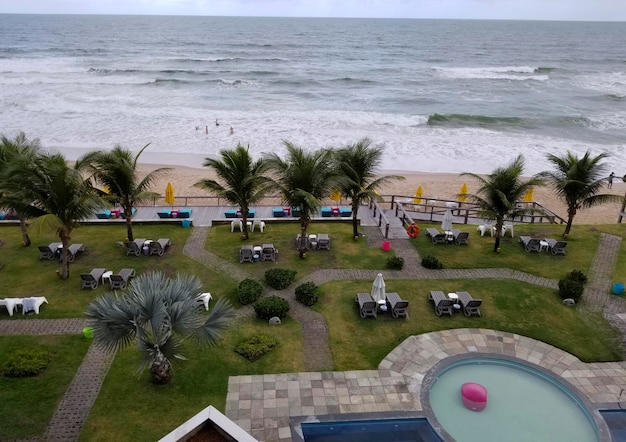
pixel 523 404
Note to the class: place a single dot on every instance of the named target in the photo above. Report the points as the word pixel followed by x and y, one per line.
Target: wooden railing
pixel 378 212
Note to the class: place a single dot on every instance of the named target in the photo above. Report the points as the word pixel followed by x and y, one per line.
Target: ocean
pixel 440 95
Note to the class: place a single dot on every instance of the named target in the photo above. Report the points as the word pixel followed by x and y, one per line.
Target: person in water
pixel 232 131
pixel 217 122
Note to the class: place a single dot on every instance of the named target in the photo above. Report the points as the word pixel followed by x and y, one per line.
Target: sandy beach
pixel 434 185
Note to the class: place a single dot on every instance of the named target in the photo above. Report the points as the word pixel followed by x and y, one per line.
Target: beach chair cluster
pixel 393 303
pixel 101 275
pixel 178 213
pixel 234 213
pixel 113 213
pixel 328 212
pixel 147 246
pixel 455 302
pixel 319 241
pixel 8 215
pixel 540 245
pixel 28 305
pixel 54 250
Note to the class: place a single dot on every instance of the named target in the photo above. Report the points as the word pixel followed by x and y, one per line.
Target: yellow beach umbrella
pixel 418 195
pixel 463 193
pixel 528 198
pixel 335 195
pixel 169 194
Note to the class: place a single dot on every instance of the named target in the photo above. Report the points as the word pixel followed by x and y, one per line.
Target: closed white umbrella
pixel 446 224
pixel 378 289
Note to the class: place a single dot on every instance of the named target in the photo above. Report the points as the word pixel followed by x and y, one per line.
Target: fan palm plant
pixel 45 187
pixel 117 171
pixel 20 146
pixel 499 192
pixel 577 181
pixel 303 180
pixel 159 314
pixel 241 180
pixel 358 164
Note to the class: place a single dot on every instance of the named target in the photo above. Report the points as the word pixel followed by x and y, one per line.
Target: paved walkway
pixel 307 393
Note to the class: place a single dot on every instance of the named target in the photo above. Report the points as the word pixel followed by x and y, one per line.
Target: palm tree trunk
pixel 244 223
pixel 65 265
pixel 24 229
pixel 161 369
pixel 496 245
pixel 571 213
pixel 355 225
pixel 302 248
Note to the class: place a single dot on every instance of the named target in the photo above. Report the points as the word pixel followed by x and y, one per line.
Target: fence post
pixel 387 230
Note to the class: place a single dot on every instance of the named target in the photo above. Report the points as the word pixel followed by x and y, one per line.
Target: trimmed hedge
pixel 271 306
pixel 431 262
pixel 249 291
pixel 27 362
pixel 253 348
pixel 573 285
pixel 395 263
pixel 307 293
pixel 279 279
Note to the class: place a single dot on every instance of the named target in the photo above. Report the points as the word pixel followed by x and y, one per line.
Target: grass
pixel 27 404
pixel 131 408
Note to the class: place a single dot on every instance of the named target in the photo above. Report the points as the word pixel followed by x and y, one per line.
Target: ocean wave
pixel 514 73
pixel 483 121
pixel 236 83
pixel 352 80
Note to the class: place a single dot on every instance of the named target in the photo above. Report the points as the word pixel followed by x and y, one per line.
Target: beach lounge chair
pixel 530 244
pixel 442 303
pixel 367 305
pixel 92 279
pixel 33 304
pixel 164 214
pixel 268 253
pixel 399 307
pixel 48 252
pixel 460 237
pixel 73 251
pixel 246 254
pixel 158 247
pixel 470 305
pixel 278 212
pixel 120 280
pixel 230 213
pixel 436 236
pixel 323 241
pixel 184 213
pixel 103 214
pixel 556 247
pixel 135 247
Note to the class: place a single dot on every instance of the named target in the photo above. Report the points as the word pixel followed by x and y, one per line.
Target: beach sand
pixel 434 185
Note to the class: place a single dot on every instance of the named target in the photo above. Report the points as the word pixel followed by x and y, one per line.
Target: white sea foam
pixel 516 73
pixel 612 83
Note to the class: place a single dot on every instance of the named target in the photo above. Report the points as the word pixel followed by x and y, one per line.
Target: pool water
pixel 523 404
pixel 378 430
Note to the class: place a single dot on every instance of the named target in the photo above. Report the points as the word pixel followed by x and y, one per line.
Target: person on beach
pixel 232 131
pixel 217 122
pixel 611 176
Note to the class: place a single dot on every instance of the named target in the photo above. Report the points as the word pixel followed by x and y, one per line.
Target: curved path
pixel 74 408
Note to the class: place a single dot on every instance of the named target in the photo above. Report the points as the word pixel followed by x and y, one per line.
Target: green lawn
pixel 130 408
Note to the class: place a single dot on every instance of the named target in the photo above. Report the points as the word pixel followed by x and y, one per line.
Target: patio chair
pixel 367 305
pixel 11 304
pixel 204 299
pixel 470 305
pixel 158 247
pixel 530 244
pixel 323 241
pixel 164 214
pixel 436 236
pixel 486 226
pixel 92 279
pixel 246 254
pixel 120 280
pixel 73 251
pixel 460 237
pixel 33 304
pixel 268 253
pixel 442 303
pixel 399 307
pixel 556 247
pixel 135 247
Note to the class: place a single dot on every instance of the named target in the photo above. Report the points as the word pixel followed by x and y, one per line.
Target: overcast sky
pixel 598 10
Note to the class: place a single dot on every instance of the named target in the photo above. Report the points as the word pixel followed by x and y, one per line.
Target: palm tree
pixel 303 179
pixel 9 149
pixel 117 171
pixel 159 314
pixel 47 188
pixel 357 165
pixel 577 182
pixel 241 180
pixel 500 191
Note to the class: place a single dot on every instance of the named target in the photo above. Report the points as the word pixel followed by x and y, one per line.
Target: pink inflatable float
pixel 474 396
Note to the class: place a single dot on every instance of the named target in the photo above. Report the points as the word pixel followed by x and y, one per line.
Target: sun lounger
pixel 164 214
pixel 470 305
pixel 73 251
pixel 158 247
pixel 323 241
pixel 135 247
pixel 268 253
pixel 556 247
pixel 460 237
pixel 92 279
pixel 184 213
pixel 367 305
pixel 103 214
pixel 530 244
pixel 442 303
pixel 399 307
pixel 246 254
pixel 436 236
pixel 120 280
pixel 49 251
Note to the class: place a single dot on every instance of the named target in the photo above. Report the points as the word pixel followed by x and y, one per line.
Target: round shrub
pixel 307 293
pixel 279 278
pixel 249 291
pixel 271 306
pixel 27 362
pixel 395 263
pixel 570 288
pixel 577 275
pixel 256 346
pixel 431 262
